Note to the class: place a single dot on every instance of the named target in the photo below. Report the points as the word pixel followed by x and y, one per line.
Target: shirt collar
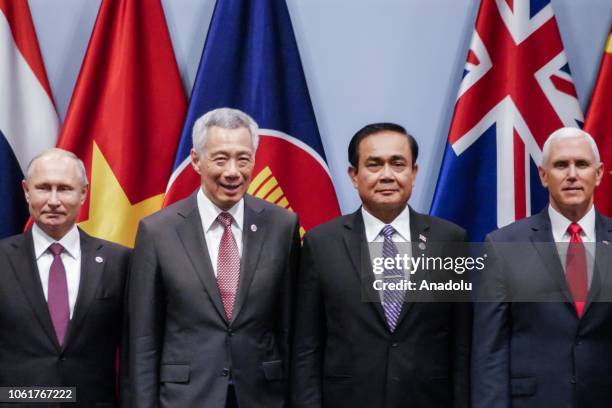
pixel 71 242
pixel 560 223
pixel 209 211
pixel 373 225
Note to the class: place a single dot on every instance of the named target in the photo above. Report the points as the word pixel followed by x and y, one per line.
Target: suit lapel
pixel 357 249
pixel 192 237
pixel 603 258
pixel 91 274
pixel 253 234
pixel 23 260
pixel 543 241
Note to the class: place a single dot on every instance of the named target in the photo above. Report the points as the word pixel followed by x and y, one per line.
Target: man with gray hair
pixel 543 330
pixel 61 297
pixel 211 285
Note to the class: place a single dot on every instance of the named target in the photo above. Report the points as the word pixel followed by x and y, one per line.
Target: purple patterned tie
pixel 392 299
pixel 57 297
pixel 228 265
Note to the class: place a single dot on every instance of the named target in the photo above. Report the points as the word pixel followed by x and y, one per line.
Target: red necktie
pixel 576 268
pixel 57 293
pixel 228 265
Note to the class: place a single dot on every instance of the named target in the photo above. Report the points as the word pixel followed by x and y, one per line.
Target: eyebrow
pixel 393 157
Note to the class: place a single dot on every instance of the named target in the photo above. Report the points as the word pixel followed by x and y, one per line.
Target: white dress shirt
pixel 71 258
pixel 373 226
pixel 213 231
pixel 560 224
pixel 401 237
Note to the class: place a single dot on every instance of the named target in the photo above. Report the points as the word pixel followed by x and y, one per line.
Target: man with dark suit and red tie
pixel 211 286
pixel 61 296
pixel 543 325
pixel 355 347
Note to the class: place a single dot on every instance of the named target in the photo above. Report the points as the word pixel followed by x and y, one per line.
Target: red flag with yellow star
pixel 599 124
pixel 125 117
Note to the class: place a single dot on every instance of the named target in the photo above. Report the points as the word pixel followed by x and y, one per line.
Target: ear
pixel 352 172
pixel 195 161
pixel 543 176
pixel 84 193
pixel 26 190
pixel 415 171
pixel 599 172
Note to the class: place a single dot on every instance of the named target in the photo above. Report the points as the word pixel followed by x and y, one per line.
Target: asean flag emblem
pixel 291 174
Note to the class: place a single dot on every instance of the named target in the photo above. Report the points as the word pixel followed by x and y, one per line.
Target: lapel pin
pixel 421 246
pixel 99 259
pixel 253 227
pixel 422 238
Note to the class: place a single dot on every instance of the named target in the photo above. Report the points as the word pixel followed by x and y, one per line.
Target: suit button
pixel 225 372
pixel 573 379
pixel 62 358
pixel 230 332
pixel 394 345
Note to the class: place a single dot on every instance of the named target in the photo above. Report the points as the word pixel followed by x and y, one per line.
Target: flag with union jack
pixel 516 90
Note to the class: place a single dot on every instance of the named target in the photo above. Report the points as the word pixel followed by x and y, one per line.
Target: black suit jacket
pixel 344 353
pixel 184 351
pixel 30 354
pixel 540 354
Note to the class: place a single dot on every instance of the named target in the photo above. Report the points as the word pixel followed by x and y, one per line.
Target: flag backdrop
pixel 125 117
pixel 28 119
pixel 251 62
pixel 599 124
pixel 516 90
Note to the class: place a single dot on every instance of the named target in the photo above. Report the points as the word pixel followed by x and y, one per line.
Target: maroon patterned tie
pixel 228 265
pixel 57 296
pixel 576 268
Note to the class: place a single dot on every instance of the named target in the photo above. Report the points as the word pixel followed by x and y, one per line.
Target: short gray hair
pixel 225 118
pixel 56 151
pixel 569 133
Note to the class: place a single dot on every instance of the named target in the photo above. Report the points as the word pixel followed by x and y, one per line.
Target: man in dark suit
pixel 211 287
pixel 358 348
pixel 61 297
pixel 543 328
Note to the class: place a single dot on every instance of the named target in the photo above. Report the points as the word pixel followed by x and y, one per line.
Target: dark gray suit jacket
pixel 344 354
pixel 183 349
pixel 540 354
pixel 30 354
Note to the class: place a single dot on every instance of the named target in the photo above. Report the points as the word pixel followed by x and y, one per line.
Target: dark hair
pixel 373 128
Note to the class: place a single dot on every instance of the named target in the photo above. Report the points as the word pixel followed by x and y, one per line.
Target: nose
pixel 53 200
pixel 387 172
pixel 231 169
pixel 571 171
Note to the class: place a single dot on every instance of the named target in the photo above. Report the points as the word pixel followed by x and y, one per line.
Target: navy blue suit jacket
pixel 541 354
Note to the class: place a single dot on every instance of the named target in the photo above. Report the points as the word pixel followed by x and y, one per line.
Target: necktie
pixel 392 299
pixel 228 265
pixel 576 268
pixel 57 295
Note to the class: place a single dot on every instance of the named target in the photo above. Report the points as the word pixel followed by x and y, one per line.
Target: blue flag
pixel 251 62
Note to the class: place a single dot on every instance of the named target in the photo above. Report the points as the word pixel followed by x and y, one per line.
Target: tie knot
pixel 574 229
pixel 56 248
pixel 225 219
pixel 387 231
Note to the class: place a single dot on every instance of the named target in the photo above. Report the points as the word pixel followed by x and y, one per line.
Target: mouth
pixel 53 213
pixel 231 188
pixel 387 191
pixel 572 189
